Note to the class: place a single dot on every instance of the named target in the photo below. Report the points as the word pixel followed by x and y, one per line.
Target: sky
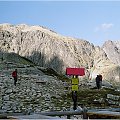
pixel 94 21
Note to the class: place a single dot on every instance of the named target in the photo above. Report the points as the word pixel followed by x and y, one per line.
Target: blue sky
pixel 93 21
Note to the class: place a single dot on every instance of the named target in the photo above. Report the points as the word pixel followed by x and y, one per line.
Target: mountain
pixel 112 49
pixel 47 48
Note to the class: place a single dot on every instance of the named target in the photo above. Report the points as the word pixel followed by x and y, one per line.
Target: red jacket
pixel 14 74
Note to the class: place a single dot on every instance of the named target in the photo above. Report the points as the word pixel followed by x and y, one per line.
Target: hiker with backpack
pixel 99 81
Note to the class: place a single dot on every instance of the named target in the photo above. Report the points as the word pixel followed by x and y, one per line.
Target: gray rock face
pixel 49 49
pixel 112 49
pixel 45 47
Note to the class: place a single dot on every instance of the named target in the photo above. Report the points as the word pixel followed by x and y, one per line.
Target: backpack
pixel 100 77
pixel 14 74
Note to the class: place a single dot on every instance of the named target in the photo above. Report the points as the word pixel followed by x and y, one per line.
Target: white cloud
pixel 104 27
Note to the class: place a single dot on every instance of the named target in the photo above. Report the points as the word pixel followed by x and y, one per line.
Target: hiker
pixel 14 75
pixel 99 81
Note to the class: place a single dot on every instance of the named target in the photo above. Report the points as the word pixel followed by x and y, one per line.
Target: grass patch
pixel 87 96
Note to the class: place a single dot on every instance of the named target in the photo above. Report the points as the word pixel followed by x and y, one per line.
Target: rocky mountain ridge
pixel 46 48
